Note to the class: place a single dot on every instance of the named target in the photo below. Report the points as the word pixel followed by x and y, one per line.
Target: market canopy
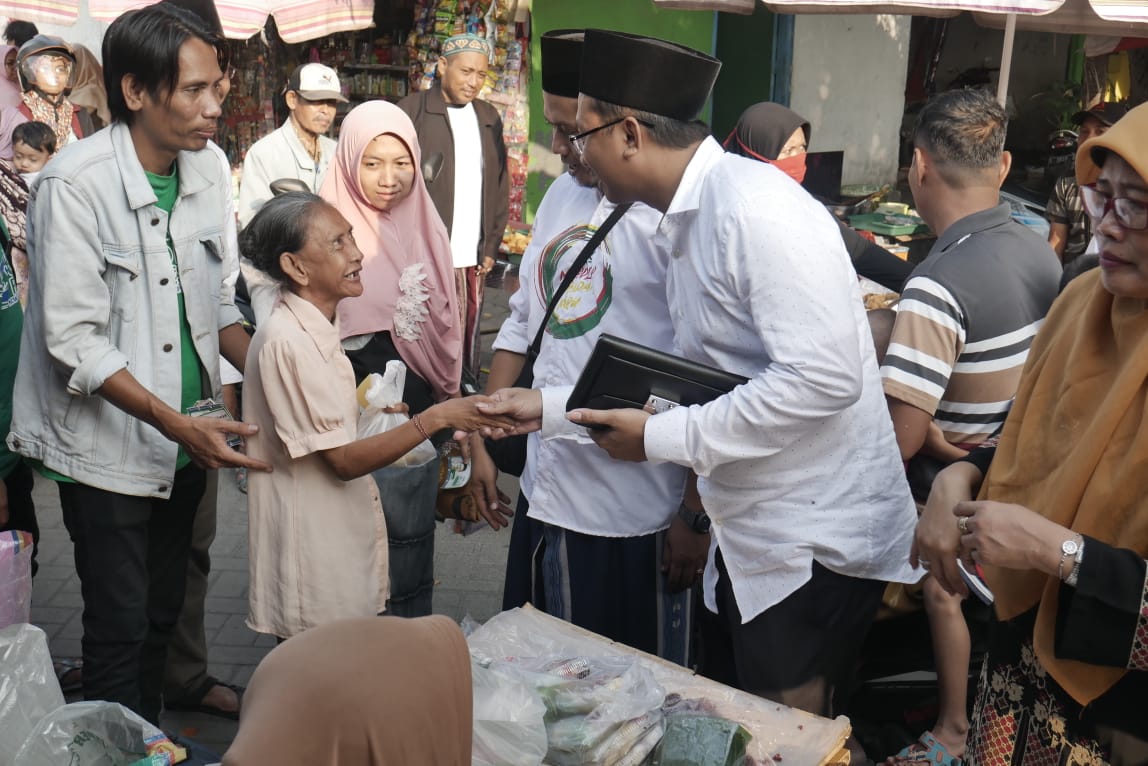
pixel 297 20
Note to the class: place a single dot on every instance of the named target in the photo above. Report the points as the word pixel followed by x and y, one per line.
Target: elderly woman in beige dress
pixel 318 541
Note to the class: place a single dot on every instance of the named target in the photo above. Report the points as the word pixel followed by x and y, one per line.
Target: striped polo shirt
pixel 966 320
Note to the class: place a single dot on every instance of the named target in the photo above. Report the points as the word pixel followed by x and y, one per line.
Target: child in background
pixel 33 144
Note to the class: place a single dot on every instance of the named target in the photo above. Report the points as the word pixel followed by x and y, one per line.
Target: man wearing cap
pixel 44 66
pixel 298 149
pixel 596 541
pixel 1070 229
pixel 798 468
pixel 471 189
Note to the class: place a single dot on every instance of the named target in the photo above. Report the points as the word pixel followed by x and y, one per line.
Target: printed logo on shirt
pixel 589 296
pixel 9 295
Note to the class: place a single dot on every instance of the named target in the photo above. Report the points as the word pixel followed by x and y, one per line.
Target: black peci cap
pixel 647 74
pixel 562 61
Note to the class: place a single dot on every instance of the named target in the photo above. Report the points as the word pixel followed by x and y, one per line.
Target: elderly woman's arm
pixel 1104 619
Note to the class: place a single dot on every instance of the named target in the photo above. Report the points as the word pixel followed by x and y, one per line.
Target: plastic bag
pixel 28 686
pixel 508 720
pixel 96 734
pixel 15 578
pixel 380 391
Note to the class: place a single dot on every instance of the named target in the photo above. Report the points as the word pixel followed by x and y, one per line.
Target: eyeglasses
pixel 1132 214
pixel 578 140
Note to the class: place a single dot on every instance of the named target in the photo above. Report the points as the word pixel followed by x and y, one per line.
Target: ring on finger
pixel 963 525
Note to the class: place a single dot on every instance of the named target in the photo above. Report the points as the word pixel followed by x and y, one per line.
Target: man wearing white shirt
pixel 595 541
pixel 471 187
pixel 799 469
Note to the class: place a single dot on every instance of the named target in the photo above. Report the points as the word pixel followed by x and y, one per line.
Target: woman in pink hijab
pixel 408 311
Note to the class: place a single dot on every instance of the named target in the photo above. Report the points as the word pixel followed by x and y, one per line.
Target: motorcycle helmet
pixel 34 64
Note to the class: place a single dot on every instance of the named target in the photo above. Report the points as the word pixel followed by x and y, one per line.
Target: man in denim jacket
pixel 126 322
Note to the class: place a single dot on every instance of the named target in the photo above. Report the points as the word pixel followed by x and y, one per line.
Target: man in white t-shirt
pixel 464 161
pixel 601 543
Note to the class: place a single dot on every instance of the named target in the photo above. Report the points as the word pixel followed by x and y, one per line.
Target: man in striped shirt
pixel 964 325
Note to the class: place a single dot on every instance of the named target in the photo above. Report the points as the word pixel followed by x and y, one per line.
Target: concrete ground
pixel 468 581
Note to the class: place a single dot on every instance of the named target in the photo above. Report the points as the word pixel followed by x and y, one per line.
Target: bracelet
pixel 419 425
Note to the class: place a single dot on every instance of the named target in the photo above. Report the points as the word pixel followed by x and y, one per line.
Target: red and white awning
pixel 297 20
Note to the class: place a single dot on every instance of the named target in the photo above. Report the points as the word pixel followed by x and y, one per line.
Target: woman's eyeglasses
pixel 1132 214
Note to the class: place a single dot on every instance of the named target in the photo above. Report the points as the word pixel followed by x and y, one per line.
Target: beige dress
pixel 317 544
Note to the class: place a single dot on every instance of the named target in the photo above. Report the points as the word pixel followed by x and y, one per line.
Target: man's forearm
pixel 505 368
pixel 233 343
pixel 125 392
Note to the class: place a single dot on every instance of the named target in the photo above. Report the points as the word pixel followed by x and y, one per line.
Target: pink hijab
pixel 408 278
pixel 10 93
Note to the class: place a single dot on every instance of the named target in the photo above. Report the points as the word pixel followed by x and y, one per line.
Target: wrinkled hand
pixel 466 415
pixel 205 440
pixel 523 405
pixel 490 501
pixel 684 555
pixel 937 541
pixel 624 434
pixel 1010 536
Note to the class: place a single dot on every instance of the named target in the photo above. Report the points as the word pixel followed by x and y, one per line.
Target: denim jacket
pixel 102 299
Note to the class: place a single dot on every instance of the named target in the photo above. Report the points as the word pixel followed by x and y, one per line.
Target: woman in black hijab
pixel 778 136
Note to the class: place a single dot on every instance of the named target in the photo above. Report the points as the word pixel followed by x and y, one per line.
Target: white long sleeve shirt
pixel 568 480
pixel 799 464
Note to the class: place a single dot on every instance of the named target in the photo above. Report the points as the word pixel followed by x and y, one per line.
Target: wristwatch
pixel 698 521
pixel 1072 548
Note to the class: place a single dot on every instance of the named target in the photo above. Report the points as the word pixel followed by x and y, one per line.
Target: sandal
pixel 70 675
pixel 927 749
pixel 194 703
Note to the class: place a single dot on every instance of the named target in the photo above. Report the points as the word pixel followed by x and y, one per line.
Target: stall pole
pixel 1006 58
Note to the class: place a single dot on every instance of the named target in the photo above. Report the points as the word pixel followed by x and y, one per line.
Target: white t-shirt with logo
pixel 466 220
pixel 571 482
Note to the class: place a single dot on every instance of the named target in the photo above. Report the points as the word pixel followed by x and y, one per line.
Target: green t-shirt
pixel 11 324
pixel 166 190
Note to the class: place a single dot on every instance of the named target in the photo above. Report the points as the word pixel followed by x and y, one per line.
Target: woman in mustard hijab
pixel 1060 526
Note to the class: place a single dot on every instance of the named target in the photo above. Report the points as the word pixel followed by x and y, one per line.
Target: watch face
pixel 1068 547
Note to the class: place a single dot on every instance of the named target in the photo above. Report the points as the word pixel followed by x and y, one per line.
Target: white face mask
pixel 30 177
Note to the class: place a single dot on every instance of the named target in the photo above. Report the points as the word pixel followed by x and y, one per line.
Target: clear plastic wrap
pixel 509 725
pixel 378 392
pixel 96 734
pixel 15 577
pixel 28 686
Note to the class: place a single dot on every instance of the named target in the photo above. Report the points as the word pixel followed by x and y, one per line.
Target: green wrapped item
pixel 578 741
pixel 701 741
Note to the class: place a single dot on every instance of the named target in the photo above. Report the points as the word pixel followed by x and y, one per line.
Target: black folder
pixel 620 373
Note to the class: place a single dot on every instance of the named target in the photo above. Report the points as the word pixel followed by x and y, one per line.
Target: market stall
pixel 598 701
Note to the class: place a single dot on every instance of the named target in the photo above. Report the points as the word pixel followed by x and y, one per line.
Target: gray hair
pixel 280 226
pixel 665 131
pixel 964 133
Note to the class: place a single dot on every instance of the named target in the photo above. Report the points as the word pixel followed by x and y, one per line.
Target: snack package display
pixel 643 701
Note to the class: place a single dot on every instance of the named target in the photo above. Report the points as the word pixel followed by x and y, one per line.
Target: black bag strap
pixel 572 272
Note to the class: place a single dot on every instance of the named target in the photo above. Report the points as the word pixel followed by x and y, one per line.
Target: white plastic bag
pixel 508 720
pixel 95 734
pixel 379 392
pixel 15 577
pixel 28 686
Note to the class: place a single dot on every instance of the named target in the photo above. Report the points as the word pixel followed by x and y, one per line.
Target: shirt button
pixel 164 281
pixel 155 222
pixel 163 488
pixel 167 347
